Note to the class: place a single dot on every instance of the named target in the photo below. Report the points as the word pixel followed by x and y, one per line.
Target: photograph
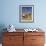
pixel 26 13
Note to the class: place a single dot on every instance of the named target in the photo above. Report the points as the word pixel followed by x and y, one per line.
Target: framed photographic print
pixel 26 13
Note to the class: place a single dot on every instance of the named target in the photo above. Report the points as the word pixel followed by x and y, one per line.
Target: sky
pixel 26 9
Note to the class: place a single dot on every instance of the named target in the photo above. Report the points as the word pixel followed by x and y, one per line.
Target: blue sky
pixel 26 9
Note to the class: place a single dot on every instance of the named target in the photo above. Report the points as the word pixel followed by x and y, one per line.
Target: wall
pixel 9 13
